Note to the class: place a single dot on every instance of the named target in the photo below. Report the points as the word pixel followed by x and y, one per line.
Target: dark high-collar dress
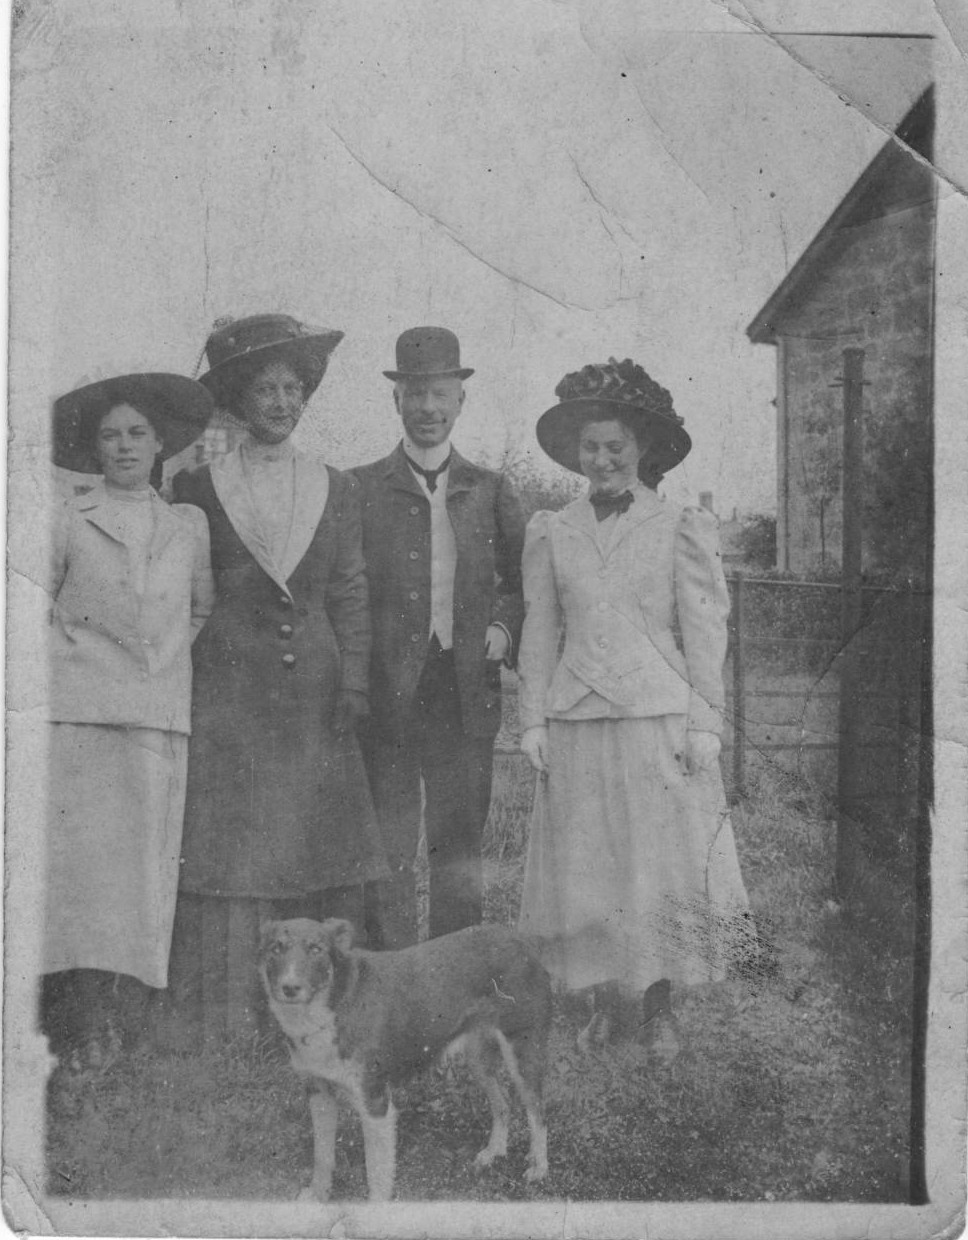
pixel 278 805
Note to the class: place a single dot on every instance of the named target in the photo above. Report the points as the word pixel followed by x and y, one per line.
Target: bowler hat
pixel 178 408
pixel 236 345
pixel 427 353
pixel 621 391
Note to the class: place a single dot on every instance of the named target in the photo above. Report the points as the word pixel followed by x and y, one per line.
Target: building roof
pixel 896 179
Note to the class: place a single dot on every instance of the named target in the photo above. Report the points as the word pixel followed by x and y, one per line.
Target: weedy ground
pixel 792 1082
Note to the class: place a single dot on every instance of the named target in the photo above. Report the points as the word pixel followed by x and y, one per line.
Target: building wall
pixel 219 437
pixel 873 292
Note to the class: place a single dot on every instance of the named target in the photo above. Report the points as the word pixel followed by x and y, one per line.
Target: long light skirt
pixel 116 798
pixel 631 864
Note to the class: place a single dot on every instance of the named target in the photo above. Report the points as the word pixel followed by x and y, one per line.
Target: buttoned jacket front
pixel 643 604
pixel 121 657
pixel 277 803
pixel 489 531
pixel 281 647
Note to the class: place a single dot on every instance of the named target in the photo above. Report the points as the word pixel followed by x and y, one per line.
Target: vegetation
pixel 538 491
pixel 792 1082
pixel 756 541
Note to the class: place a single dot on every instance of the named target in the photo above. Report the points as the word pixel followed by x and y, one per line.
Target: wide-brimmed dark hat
pixel 608 390
pixel 236 346
pixel 428 353
pixel 178 408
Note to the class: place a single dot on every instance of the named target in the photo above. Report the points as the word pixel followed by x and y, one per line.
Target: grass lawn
pixel 792 1083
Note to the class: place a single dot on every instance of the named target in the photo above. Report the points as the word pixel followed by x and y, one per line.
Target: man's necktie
pixel 605 503
pixel 431 475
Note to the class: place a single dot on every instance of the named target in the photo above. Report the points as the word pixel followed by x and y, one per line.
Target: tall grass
pixel 791 1084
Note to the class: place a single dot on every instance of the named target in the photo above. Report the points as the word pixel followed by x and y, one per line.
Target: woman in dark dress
pixel 278 817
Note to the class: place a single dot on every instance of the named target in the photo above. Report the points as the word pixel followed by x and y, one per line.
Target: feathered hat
pixel 621 390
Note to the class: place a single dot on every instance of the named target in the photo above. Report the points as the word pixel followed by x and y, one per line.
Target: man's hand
pixel 496 643
pixel 352 707
pixel 534 745
pixel 702 750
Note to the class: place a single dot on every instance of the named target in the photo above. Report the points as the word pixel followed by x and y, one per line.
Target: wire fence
pixel 797 683
pixel 839 709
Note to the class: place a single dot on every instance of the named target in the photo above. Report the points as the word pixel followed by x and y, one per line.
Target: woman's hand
pixel 497 644
pixel 702 751
pixel 534 745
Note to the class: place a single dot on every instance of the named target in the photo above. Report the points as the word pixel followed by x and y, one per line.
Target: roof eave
pixel 913 133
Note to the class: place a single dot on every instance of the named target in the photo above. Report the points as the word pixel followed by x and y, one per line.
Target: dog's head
pixel 299 960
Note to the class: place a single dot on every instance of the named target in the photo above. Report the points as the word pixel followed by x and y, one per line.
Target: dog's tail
pixel 551 950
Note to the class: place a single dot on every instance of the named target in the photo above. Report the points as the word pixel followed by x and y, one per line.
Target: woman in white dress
pixel 130 587
pixel 631 864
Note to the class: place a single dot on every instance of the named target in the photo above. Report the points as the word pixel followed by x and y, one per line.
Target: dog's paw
pixel 535 1172
pixel 311 1193
pixel 485 1158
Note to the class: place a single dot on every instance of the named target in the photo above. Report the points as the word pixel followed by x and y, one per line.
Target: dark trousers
pixel 456 771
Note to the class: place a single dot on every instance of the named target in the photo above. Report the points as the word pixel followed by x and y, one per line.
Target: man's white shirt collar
pixel 427 458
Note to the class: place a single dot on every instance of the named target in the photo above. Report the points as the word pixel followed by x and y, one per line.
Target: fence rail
pixel 786 665
pixel 838 701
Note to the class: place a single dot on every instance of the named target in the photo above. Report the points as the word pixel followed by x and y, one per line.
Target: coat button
pixel 415 555
pixel 289 660
pixel 415 637
pixel 285 600
pixel 414 595
pixel 414 511
pixel 603 642
pixel 285 630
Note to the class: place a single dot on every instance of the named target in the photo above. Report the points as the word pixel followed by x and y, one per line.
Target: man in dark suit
pixel 442 540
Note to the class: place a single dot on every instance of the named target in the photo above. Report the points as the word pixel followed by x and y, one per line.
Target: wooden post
pixel 214 918
pixel 241 979
pixel 230 931
pixel 739 693
pixel 852 491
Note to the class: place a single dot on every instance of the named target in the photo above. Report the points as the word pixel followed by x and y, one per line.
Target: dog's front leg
pixel 324 1112
pixel 380 1149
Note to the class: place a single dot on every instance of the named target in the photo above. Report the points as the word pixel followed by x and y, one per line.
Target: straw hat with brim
pixel 614 391
pixel 178 408
pixel 238 347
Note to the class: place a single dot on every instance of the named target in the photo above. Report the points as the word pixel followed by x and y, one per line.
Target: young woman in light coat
pixel 131 586
pixel 631 863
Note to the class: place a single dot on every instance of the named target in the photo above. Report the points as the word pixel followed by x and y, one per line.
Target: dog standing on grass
pixel 359 1022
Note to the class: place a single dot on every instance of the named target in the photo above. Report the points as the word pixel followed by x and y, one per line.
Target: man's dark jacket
pixel 489 531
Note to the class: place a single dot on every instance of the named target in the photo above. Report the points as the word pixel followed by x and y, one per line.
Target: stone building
pixel 864 282
pixel 221 435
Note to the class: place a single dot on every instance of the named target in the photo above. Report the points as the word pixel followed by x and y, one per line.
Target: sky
pixel 558 182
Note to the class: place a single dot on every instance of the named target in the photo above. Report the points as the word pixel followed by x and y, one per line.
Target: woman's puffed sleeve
pixel 203 582
pixel 540 636
pixel 702 604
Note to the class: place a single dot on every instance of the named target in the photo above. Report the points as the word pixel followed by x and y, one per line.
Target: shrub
pixel 756 541
pixel 539 491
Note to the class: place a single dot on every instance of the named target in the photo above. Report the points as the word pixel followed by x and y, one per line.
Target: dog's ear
pixel 268 929
pixel 341 933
